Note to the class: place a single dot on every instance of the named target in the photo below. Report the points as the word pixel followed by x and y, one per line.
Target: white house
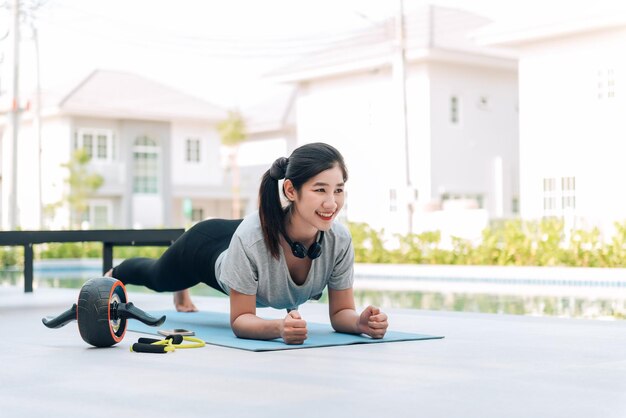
pixel 572 112
pixel 157 149
pixel 461 107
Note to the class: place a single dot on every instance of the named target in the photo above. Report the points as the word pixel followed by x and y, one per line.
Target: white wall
pixel 566 129
pixel 466 156
pixel 359 114
pixel 356 115
pixel 113 171
pixel 147 211
pixel 205 172
pixel 418 88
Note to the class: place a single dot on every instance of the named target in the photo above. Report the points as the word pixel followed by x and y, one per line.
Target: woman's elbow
pixel 234 326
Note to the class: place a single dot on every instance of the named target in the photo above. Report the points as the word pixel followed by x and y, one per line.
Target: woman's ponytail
pixel 271 210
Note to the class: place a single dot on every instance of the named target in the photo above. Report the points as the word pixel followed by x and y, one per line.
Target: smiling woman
pixel 280 256
pixel 314 179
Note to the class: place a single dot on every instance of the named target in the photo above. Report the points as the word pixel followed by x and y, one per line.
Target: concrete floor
pixel 487 366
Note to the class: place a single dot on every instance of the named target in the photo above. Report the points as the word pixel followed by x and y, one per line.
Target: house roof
pixel 428 31
pixel 273 114
pixel 129 96
pixel 124 95
pixel 518 33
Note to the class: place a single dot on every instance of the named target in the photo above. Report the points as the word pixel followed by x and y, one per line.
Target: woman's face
pixel 319 200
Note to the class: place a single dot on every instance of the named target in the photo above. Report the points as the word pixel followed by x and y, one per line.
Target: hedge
pixel 504 243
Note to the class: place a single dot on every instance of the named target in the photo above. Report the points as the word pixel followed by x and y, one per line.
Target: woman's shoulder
pixel 249 231
pixel 340 232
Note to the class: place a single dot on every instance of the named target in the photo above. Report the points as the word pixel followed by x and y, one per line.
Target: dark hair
pixel 304 163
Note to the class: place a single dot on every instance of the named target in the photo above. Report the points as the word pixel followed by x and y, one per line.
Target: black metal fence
pixel 108 237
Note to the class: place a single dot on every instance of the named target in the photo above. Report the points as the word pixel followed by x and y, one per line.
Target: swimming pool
pixel 549 298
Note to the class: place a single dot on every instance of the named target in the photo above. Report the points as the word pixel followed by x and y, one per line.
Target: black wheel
pixel 98 322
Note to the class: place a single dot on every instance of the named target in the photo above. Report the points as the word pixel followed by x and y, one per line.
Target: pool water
pixel 561 306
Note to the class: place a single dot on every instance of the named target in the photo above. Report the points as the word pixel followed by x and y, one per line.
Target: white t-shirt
pixel 248 267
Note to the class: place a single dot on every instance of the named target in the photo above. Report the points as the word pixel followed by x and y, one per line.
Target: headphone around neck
pixel 300 251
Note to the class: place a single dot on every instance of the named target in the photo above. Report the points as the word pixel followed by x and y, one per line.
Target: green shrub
pixel 92 250
pixel 128 252
pixel 368 244
pixel 504 242
pixel 11 256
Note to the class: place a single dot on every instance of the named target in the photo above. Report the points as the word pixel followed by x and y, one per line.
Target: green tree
pixel 82 184
pixel 232 131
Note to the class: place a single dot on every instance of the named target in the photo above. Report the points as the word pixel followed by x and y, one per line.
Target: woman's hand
pixel 373 322
pixel 293 328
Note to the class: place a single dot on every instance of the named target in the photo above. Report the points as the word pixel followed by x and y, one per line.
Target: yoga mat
pixel 214 328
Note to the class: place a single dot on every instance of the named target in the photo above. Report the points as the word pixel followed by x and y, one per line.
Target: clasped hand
pixel 373 322
pixel 293 328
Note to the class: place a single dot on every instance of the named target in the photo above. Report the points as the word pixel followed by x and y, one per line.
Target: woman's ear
pixel 289 190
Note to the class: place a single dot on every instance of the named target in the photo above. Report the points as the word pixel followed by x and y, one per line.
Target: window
pixel 193 150
pixel 559 195
pixel 568 190
pixel 549 196
pixel 393 200
pixel 197 214
pixel 97 215
pixel 483 102
pixel 515 205
pixel 103 149
pixel 88 144
pixel 606 84
pixel 146 166
pixel 454 110
pixel 469 200
pixel 97 143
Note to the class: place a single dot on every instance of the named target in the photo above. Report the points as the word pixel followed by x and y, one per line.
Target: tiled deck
pixel 487 366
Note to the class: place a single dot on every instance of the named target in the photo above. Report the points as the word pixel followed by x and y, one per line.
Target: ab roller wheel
pixel 101 312
pixel 98 322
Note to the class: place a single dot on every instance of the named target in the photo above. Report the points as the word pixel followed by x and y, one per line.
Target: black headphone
pixel 300 250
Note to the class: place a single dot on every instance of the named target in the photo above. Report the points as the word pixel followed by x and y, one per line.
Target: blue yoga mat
pixel 214 328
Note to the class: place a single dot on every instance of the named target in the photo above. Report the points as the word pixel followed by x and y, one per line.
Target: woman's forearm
pixel 346 321
pixel 252 327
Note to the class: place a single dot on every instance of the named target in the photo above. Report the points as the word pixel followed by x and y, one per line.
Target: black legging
pixel 189 261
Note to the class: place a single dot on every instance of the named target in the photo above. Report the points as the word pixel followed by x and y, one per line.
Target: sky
pixel 217 50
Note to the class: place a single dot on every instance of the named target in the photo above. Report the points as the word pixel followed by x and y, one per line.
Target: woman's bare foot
pixel 109 273
pixel 183 303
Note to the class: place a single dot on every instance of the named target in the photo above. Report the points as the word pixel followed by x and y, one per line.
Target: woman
pixel 279 256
